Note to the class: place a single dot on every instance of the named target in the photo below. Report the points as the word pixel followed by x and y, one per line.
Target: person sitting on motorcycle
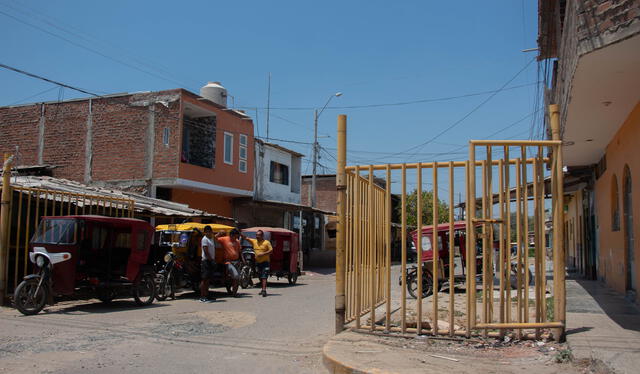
pixel 208 264
pixel 262 249
pixel 231 251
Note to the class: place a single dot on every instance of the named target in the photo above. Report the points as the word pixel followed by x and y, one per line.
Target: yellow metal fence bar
pixel 371 250
pixel 471 215
pixel 451 252
pixel 506 259
pixel 525 236
pixel 501 233
pixel 403 255
pixel 435 247
pixel 387 232
pixel 419 248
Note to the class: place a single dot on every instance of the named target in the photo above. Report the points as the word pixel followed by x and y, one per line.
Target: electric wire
pixel 91 49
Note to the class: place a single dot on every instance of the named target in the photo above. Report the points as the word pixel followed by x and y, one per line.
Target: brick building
pixel 171 144
pixel 593 49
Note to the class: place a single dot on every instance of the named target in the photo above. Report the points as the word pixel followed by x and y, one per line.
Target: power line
pixel 34 95
pixel 418 101
pixel 91 49
pixel 456 123
pixel 284 140
pixel 47 79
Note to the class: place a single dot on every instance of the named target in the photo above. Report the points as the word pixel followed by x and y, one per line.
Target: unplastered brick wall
pixel 129 137
pixel 119 133
pixel 19 128
pixel 65 137
pixel 601 22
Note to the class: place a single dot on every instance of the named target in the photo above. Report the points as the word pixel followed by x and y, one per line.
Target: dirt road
pixel 282 333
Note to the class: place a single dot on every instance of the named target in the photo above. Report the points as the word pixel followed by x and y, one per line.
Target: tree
pixel 427 209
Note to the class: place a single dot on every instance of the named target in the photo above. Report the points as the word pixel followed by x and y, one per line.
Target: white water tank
pixel 215 92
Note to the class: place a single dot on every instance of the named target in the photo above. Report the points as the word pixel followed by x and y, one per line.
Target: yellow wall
pixel 622 150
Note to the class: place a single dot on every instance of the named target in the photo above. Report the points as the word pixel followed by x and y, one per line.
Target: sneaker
pixel 206 300
pixel 264 293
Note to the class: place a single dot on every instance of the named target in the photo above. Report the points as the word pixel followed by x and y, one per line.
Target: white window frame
pixel 224 154
pixel 242 163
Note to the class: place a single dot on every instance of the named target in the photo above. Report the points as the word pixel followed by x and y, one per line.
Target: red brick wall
pixel 119 144
pixel 120 128
pixel 65 138
pixel 19 127
pixel 166 158
pixel 326 193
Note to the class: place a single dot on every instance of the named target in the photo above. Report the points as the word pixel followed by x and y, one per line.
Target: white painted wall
pixel 265 189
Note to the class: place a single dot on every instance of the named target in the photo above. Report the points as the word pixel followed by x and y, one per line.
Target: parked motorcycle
pixel 248 270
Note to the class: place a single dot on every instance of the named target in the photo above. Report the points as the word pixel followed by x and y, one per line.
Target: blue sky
pixel 374 52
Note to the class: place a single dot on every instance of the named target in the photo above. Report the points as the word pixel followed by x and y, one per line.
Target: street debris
pixel 445 358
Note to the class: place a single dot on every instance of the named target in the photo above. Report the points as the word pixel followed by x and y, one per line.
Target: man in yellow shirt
pixel 262 249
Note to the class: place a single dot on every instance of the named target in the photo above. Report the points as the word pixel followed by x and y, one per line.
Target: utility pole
pixel 316 148
pixel 268 104
pixel 315 159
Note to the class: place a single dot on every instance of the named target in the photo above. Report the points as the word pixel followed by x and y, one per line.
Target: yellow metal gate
pixel 498 270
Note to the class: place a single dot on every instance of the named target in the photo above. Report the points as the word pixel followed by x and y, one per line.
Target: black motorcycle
pixel 248 269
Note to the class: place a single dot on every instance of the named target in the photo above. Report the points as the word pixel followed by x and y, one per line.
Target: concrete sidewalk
pixel 602 328
pixel 354 352
pixel 602 324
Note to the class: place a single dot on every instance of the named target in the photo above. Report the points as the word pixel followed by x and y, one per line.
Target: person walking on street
pixel 262 249
pixel 231 252
pixel 208 264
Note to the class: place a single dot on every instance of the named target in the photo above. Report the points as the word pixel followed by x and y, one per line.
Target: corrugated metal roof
pixel 142 204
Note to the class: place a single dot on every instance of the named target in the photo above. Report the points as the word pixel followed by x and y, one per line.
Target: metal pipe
pixel 429 165
pixel 559 259
pixel 518 247
pixel 341 186
pixel 435 247
pixel 419 248
pixel 403 255
pixel 451 252
pixel 387 231
pixel 358 247
pixel 501 233
pixel 471 276
pixel 525 234
pixel 4 223
pixel 371 247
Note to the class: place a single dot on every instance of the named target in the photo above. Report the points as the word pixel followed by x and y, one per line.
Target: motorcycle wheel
pixel 245 277
pixel 166 287
pixel 161 290
pixel 427 285
pixel 144 290
pixel 27 302
pixel 292 278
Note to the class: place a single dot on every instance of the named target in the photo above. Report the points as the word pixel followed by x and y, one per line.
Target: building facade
pixel 174 145
pixel 593 47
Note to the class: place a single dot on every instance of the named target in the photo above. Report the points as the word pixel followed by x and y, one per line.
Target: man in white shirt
pixel 208 264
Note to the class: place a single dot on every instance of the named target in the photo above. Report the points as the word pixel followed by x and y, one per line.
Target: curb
pixel 335 366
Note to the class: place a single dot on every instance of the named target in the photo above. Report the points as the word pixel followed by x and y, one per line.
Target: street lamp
pixel 316 147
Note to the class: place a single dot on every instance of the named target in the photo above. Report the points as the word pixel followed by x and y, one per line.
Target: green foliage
pixel 427 209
